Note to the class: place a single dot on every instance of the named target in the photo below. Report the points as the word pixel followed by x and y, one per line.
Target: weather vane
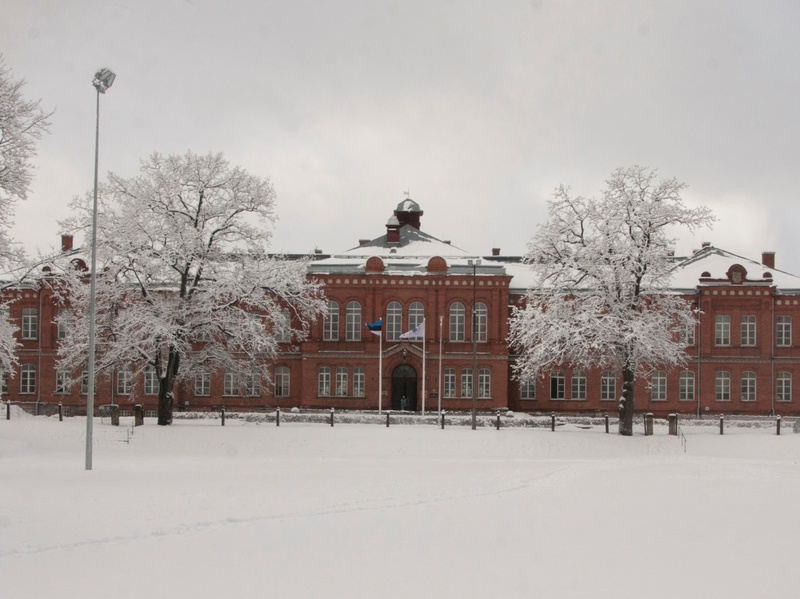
pixel 408 193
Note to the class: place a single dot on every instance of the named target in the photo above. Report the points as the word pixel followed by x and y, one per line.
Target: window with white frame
pixel 150 381
pixel 352 321
pixel 202 383
pixel 282 381
pixel 557 384
pixel 479 322
pixel 783 386
pixel 27 379
pixel 324 381
pixel 416 314
pixel 527 389
pixel 784 331
pixel 748 386
pixel 252 384
pixel 330 323
pixel 748 331
pixel 124 381
pixel 578 385
pixel 65 322
pixel 359 382
pixel 456 321
pixel 394 321
pixel 722 386
pixel 687 334
pixel 466 382
pixel 484 383
pixel 608 386
pixel 449 382
pixel 283 327
pixel 85 383
pixel 230 384
pixel 658 386
pixel 686 386
pixel 341 381
pixel 30 322
pixel 722 330
pixel 62 382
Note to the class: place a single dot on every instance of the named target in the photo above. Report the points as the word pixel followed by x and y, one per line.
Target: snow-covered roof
pixel 408 205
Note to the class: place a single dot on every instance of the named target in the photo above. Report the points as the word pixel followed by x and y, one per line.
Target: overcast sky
pixel 478 108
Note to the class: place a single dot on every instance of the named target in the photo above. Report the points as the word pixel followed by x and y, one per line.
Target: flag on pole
pixel 418 332
pixel 375 327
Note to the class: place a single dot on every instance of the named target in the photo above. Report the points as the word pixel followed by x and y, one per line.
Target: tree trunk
pixel 626 403
pixel 166 396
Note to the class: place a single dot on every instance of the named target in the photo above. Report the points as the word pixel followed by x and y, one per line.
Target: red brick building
pixel 742 357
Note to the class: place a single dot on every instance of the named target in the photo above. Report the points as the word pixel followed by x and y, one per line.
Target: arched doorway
pixel 404 384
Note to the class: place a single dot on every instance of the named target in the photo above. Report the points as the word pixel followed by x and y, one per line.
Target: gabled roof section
pixel 413 242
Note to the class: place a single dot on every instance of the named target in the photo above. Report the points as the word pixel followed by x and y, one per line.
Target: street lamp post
pixel 474 264
pixel 102 81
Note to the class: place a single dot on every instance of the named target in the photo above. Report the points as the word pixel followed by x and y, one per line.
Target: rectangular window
pixel 748 331
pixel 124 381
pixel 449 382
pixel 283 327
pixel 784 386
pixel 722 330
pixel 65 323
pixel 252 384
pixel 230 384
pixel 466 382
pixel 282 381
pixel 687 334
pixel 85 383
pixel 686 386
pixel 202 384
pixel 324 381
pixel 658 386
pixel 527 389
pixel 27 379
pixel 30 320
pixel 150 381
pixel 608 386
pixel 341 382
pixel 722 386
pixel 748 386
pixel 484 383
pixel 578 385
pixel 557 383
pixel 62 382
pixel 358 382
pixel 784 331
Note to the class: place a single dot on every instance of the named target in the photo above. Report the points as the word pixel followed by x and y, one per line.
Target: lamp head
pixel 103 79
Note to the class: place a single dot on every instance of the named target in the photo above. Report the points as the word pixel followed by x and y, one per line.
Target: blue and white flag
pixel 418 332
pixel 375 327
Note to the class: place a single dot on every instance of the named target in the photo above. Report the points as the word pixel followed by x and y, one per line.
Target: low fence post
pixel 114 409
pixel 553 421
pixel 606 419
pixel 778 425
pixel 673 424
pixel 138 415
pixel 278 416
pixel 648 424
pixel 442 417
pixel 60 412
pixel 387 418
pixel 222 415
pixel 8 410
pixel 331 416
pixel 498 419
pixel 721 425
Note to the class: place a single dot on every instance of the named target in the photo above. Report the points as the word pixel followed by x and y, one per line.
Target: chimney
pixel 66 242
pixel 363 242
pixel 706 244
pixel 393 230
pixel 768 259
pixel 495 251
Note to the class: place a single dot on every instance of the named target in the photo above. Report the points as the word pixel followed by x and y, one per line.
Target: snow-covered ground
pixel 305 510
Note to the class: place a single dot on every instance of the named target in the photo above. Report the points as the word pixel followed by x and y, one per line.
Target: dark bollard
pixel 778 425
pixel 721 425
pixel 114 415
pixel 8 410
pixel 606 419
pixel 331 416
pixel 278 416
pixel 498 419
pixel 222 416
pixel 553 422
pixel 442 416
pixel 138 415
pixel 387 419
pixel 673 424
pixel 60 412
pixel 648 424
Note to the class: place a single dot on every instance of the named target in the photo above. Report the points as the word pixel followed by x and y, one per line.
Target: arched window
pixel 27 378
pixel 330 324
pixel 608 386
pixel 394 321
pixel 578 385
pixel 479 321
pixel 722 386
pixel 282 378
pixel 353 324
pixel 748 386
pixel 686 386
pixel 456 321
pixel 416 314
pixel 658 386
pixel 784 386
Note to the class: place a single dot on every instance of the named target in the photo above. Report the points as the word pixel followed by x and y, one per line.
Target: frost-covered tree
pixel 22 123
pixel 602 270
pixel 184 282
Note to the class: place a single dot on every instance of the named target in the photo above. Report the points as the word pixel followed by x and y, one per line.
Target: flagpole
pixel 380 372
pixel 439 392
pixel 423 366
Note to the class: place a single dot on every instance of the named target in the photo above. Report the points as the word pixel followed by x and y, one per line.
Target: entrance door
pixel 404 385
